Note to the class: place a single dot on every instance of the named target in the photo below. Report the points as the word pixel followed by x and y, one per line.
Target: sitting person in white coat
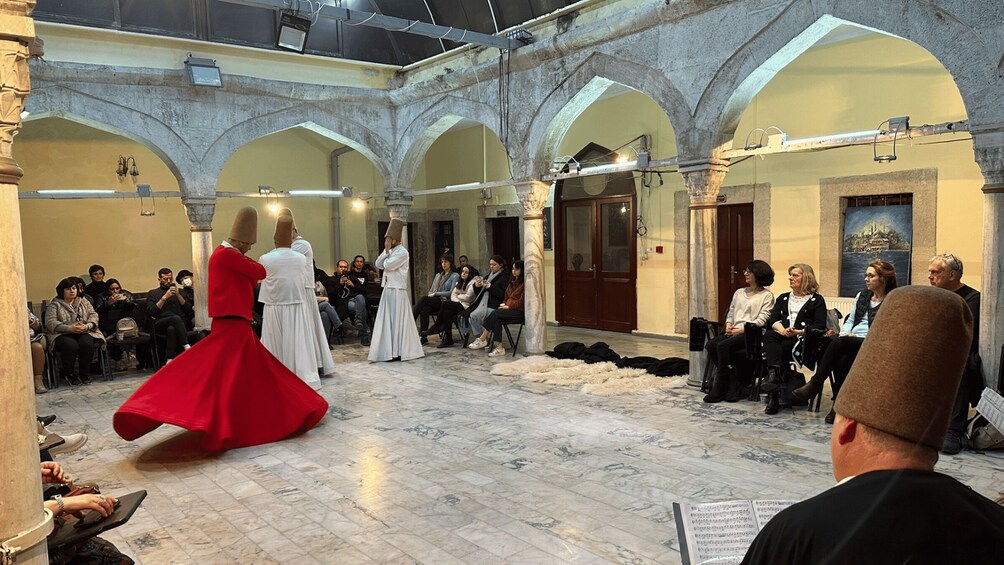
pixel 395 335
pixel 287 329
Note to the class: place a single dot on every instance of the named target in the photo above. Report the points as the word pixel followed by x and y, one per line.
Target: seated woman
pixel 489 293
pixel 442 286
pixel 112 305
pixel 511 310
pixel 794 312
pixel 880 279
pixel 460 299
pixel 753 305
pixel 37 337
pixel 72 330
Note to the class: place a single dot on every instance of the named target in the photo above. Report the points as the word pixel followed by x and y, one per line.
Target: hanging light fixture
pixel 896 125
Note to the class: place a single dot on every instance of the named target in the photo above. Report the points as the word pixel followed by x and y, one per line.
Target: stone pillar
pixel 533 196
pixel 990 157
pixel 703 180
pixel 20 503
pixel 200 210
pixel 399 205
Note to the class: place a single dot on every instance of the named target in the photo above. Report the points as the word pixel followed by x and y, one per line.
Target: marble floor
pixel 438 461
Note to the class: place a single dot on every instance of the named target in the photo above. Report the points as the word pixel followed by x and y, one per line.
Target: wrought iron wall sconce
pixel 127 166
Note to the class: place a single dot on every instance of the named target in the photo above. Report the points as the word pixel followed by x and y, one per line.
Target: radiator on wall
pixel 845 305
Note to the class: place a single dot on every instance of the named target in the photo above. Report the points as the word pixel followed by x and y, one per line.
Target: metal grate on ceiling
pixel 223 22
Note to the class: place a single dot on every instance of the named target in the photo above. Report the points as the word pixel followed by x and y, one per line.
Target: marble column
pixel 200 210
pixel 703 180
pixel 398 205
pixel 533 196
pixel 990 157
pixel 20 507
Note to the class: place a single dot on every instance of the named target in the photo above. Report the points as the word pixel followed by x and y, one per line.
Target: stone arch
pixel 583 86
pixel 59 102
pixel 956 46
pixel 334 127
pixel 428 126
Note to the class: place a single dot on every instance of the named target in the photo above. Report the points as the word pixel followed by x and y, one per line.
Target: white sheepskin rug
pixel 601 379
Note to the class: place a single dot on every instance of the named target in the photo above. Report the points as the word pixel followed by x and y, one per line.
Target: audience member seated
pixel 462 261
pixel 880 279
pixel 81 290
pixel 460 299
pixel 94 550
pixel 490 293
pixel 113 305
pixel 355 279
pixel 753 305
pixel 71 326
pixel 37 337
pixel 97 286
pixel 794 312
pixel 511 310
pixel 168 308
pixel 186 281
pixel 329 317
pixel 442 286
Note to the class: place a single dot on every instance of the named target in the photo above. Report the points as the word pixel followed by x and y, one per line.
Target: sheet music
pixel 719 532
pixel 764 510
pixel 991 405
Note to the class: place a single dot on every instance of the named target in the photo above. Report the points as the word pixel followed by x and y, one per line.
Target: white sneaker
pixel 499 351
pixel 70 444
pixel 477 344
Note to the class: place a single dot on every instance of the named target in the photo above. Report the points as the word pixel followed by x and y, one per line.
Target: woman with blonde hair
pixel 794 313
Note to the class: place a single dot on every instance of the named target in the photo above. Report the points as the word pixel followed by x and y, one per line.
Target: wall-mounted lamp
pixel 780 138
pixel 292 34
pixel 358 204
pixel 203 72
pixel 144 191
pixel 127 166
pixel 896 125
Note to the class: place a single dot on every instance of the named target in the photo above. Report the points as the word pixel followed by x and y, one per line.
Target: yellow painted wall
pixel 64 237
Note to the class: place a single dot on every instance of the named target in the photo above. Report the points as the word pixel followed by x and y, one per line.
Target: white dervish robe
pixel 394 331
pixel 286 329
pixel 321 349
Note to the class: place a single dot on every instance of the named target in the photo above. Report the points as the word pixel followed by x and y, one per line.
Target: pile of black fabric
pixel 600 351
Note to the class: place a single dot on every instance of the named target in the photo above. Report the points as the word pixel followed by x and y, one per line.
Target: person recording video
pixel 169 309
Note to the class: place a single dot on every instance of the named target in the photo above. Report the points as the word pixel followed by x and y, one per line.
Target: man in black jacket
pixel 169 309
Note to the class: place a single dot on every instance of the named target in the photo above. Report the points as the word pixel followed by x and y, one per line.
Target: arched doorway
pixel 595 268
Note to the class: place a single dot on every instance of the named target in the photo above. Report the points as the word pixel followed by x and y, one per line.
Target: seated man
pixel 187 291
pixel 169 309
pixel 889 505
pixel 354 279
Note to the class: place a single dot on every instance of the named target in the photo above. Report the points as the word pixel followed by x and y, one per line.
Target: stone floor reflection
pixel 437 461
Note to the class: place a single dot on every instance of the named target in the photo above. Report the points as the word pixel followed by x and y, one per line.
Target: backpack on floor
pixel 983 436
pixel 126 328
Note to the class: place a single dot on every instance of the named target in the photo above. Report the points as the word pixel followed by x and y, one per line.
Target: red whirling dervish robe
pixel 227 386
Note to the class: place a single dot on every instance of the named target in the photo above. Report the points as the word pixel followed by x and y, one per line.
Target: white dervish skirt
pixel 287 333
pixel 394 331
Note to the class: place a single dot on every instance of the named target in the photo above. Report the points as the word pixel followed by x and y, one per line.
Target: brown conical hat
pixel 245 226
pixel 905 378
pixel 395 230
pixel 285 212
pixel 283 231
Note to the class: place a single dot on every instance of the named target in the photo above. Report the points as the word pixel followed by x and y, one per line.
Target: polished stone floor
pixel 438 461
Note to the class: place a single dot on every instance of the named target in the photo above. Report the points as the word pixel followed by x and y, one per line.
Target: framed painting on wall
pixel 875 232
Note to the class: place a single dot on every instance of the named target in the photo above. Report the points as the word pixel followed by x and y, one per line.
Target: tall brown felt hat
pixel 905 378
pixel 245 226
pixel 285 212
pixel 395 230
pixel 283 231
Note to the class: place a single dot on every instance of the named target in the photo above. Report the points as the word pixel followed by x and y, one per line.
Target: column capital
pixel 533 197
pixel 703 180
pixel 200 211
pixel 398 204
pixel 990 158
pixel 13 92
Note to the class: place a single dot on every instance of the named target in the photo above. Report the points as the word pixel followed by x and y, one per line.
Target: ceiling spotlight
pixel 896 125
pixel 203 72
pixel 274 208
pixel 292 35
pixel 565 164
pixel 358 204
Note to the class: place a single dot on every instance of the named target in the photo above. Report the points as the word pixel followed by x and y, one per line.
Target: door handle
pixel 732 274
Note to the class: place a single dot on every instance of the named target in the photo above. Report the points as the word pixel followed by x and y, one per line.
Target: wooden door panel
pixel 735 251
pixel 580 274
pixel 616 306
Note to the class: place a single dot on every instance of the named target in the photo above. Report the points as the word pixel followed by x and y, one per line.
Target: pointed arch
pixel 585 85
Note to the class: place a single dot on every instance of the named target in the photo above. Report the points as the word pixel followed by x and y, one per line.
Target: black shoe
pixel 445 343
pixel 953 443
pixel 434 329
pixel 364 340
pixel 712 398
pixel 809 391
pixel 424 340
pixel 360 327
pixel 423 334
pixel 72 379
pixel 46 420
pixel 830 416
pixel 735 393
pixel 773 404
pixel 773 381
pixel 85 379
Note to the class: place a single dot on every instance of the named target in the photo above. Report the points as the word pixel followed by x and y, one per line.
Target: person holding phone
pixel 169 309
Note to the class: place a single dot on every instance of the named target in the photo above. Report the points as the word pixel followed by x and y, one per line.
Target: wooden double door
pixel 735 251
pixel 596 270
